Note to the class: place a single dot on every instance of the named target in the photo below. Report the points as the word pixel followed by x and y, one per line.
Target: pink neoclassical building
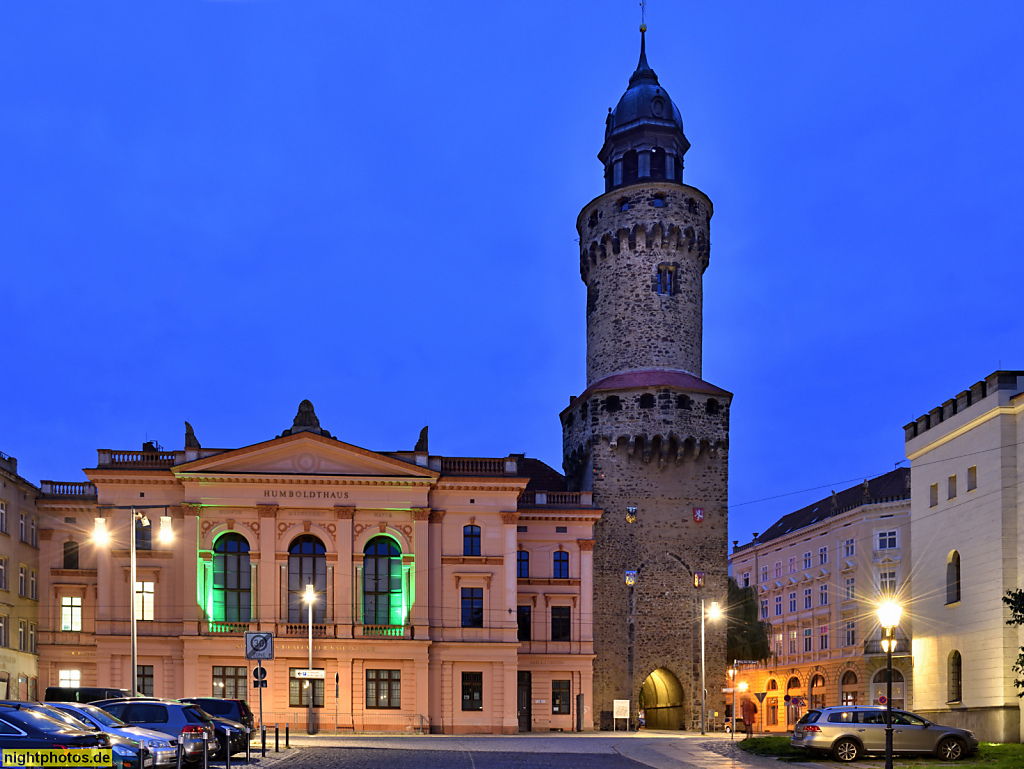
pixel 451 594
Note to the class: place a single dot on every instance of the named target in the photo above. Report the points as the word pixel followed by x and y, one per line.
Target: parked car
pixel 186 722
pixel 234 710
pixel 851 732
pixel 126 752
pixel 21 728
pixel 163 747
pixel 82 693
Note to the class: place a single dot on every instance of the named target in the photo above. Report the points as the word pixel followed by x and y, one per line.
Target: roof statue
pixel 421 444
pixel 306 421
pixel 866 490
pixel 190 437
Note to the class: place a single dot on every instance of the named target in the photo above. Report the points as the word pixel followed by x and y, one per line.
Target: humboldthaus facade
pixel 451 594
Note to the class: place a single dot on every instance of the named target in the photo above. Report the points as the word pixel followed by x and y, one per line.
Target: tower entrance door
pixel 524 700
pixel 661 699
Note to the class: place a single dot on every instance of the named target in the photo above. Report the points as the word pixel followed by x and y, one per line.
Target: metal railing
pixel 874 646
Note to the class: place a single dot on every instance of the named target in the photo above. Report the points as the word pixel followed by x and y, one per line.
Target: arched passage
pixel 661 698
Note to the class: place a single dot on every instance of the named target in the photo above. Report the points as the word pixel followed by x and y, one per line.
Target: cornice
pixel 302 480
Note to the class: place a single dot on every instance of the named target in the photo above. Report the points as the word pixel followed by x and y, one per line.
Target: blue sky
pixel 212 210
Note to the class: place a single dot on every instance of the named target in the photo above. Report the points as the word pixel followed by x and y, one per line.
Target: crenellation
pixel 993 383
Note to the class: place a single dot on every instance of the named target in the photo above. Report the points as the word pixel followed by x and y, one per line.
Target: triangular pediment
pixel 303 454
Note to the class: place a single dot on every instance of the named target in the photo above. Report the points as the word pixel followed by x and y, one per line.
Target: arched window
pixel 848 688
pixel 817 691
pixel 561 565
pixel 953 577
pixel 232 579
pixel 70 554
pixel 523 564
pixel 878 687
pixel 956 689
pixel 792 687
pixel 471 540
pixel 307 565
pixel 383 597
pixel 773 685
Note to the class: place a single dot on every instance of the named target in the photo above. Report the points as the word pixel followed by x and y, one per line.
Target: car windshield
pixel 809 717
pixel 37 720
pixel 70 720
pixel 103 717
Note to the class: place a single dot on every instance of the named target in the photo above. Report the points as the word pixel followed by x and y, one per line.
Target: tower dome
pixel 643 138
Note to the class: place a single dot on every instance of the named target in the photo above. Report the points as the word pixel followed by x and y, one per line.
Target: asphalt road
pixel 382 758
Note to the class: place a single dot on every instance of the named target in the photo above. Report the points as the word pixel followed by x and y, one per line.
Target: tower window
pixel 612 403
pixel 684 402
pixel 659 201
pixel 647 401
pixel 624 204
pixel 593 219
pixel 713 406
pixel 665 284
pixel 630 167
pixel 657 163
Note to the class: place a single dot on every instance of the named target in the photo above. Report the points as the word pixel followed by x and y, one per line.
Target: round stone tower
pixel 649 436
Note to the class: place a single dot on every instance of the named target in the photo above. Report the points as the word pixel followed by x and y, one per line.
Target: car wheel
pixel 221 753
pixel 846 750
pixel 951 749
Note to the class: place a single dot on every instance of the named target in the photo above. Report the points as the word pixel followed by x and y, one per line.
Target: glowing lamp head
pixel 166 535
pixel 714 611
pixel 310 595
pixel 100 535
pixel 743 686
pixel 889 612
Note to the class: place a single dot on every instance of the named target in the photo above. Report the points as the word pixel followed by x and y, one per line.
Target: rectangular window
pixel 808 601
pixel 523 618
pixel 383 689
pixel 560 697
pixel 472 691
pixel 822 595
pixel 472 607
pixel 299 690
pixel 823 638
pixel 230 682
pixel 71 613
pixel 764 608
pixel 144 680
pixel 792 601
pixel 560 565
pixel 144 594
pixel 822 556
pixel 560 623
pixel 778 568
pixel 3 631
pixel 21 581
pixel 807 639
pixel 849 548
pixel 21 527
pixel 21 636
pixel 933 495
pixel 523 564
pixel 887 540
pixel 3 517
pixel 851 633
pixel 972 477
pixel 792 642
pixel 792 564
pixel 3 573
pixel 33 538
pixel 746 579
pixel 664 280
pixel 764 573
pixel 773 711
pixel 143 534
pixel 887 583
pixel 70 678
pixel 850 589
pixel 778 606
pixel 778 644
pixel 32 591
pixel 952 487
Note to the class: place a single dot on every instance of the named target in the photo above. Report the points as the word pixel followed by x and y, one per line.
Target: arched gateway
pixel 661 699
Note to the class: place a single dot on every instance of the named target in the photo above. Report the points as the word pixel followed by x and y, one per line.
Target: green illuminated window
pixel 383 597
pixel 232 578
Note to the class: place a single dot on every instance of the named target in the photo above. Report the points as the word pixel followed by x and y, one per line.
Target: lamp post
pixel 714 613
pixel 310 599
pixel 731 672
pixel 888 617
pixel 101 537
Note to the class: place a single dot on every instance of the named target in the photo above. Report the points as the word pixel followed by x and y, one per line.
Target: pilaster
pixel 421 546
pixel 267 593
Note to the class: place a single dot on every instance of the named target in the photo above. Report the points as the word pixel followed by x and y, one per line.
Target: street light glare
pixel 889 612
pixel 714 611
pixel 100 535
pixel 166 535
pixel 310 594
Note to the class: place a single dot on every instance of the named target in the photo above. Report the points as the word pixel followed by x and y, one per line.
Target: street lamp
pixel 101 537
pixel 731 672
pixel 888 617
pixel 713 613
pixel 310 598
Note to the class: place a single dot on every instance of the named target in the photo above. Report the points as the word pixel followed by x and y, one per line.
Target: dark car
pixel 237 711
pixel 82 693
pixel 22 728
pixel 189 723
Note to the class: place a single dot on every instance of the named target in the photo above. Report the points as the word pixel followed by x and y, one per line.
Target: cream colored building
pixel 819 573
pixel 452 594
pixel 19 583
pixel 966 523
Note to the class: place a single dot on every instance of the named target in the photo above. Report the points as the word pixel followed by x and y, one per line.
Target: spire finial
pixel 643 69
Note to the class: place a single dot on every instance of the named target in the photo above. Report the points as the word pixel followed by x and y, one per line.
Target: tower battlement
pixel 979 391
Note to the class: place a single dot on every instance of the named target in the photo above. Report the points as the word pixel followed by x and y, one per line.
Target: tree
pixel 746 633
pixel 1015 600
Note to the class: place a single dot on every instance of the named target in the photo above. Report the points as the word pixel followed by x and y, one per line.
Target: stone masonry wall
pixel 663 224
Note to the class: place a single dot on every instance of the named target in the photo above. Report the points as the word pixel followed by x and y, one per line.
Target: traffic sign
pixel 259 673
pixel 882 700
pixel 787 698
pixel 760 696
pixel 310 674
pixel 259 646
pixel 259 684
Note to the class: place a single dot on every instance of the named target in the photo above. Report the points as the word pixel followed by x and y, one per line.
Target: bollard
pixel 181 747
pixel 263 735
pixel 287 737
pixel 205 758
pixel 227 748
pixel 277 738
pixel 248 742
